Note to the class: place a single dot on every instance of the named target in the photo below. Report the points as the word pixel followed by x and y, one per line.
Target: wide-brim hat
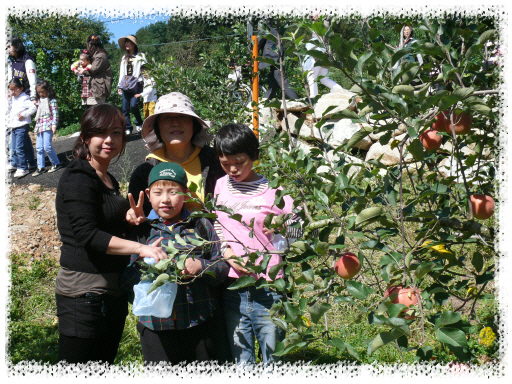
pixel 174 102
pixel 132 38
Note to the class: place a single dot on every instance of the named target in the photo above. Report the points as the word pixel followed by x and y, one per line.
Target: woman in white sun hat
pixel 131 81
pixel 175 133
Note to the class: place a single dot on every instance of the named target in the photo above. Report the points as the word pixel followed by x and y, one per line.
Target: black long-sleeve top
pixel 88 215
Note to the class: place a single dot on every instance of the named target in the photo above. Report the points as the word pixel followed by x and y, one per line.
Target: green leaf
pixel 322 197
pixel 342 346
pixel 162 278
pixel 317 311
pixel 346 114
pixel 475 49
pixel 274 270
pixel 452 336
pixel 424 268
pixel 417 150
pixel 291 312
pixel 477 261
pixel 242 282
pixel 424 354
pixel 358 136
pixel 447 318
pixel 179 240
pixel 368 214
pixel 358 290
pixel 382 339
pixel 407 90
pixel 487 35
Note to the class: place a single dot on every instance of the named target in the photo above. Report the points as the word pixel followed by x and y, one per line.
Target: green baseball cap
pixel 168 171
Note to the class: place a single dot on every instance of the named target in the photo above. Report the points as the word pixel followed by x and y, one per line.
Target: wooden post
pixel 255 87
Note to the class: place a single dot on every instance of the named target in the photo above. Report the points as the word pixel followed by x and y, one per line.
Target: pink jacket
pixel 251 207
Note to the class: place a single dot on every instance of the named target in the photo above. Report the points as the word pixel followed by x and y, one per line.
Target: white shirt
pixel 17 105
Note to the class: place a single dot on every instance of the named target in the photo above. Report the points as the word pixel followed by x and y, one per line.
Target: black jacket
pixel 88 215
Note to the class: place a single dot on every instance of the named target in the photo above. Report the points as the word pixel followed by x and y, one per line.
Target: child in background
pixel 85 64
pixel 189 333
pixel 47 118
pixel 148 93
pixel 248 194
pixel 19 110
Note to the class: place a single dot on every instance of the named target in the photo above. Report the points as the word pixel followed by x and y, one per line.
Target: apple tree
pixel 411 224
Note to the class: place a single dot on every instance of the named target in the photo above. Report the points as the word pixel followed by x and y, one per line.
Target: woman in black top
pixel 91 219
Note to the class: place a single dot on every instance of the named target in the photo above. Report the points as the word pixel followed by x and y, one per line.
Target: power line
pixel 151 45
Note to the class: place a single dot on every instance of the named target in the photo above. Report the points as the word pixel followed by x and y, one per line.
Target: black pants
pixel 274 82
pixel 176 346
pixel 90 327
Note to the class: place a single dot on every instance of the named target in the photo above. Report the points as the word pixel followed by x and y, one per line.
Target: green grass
pixel 70 129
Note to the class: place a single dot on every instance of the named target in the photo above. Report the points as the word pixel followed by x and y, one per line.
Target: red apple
pixel 430 139
pixel 462 123
pixel 483 206
pixel 406 296
pixel 347 266
pixel 440 122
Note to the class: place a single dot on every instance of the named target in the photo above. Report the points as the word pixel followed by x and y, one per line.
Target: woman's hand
pixel 153 250
pixel 232 260
pixel 135 214
pixel 119 92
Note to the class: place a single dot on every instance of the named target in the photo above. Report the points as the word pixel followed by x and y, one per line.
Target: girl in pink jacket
pixel 248 194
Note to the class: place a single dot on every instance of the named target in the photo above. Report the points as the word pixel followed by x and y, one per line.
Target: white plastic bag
pixel 158 303
pixel 280 242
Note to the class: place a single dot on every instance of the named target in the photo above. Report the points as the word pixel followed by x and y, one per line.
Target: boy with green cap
pixel 188 334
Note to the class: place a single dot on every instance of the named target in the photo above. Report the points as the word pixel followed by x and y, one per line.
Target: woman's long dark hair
pixel 97 120
pixel 47 87
pixel 18 46
pixel 94 45
pixel 136 50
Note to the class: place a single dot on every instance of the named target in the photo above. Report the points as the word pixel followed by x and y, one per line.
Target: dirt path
pixel 33 221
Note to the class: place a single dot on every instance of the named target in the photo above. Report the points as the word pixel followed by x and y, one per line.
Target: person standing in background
pixel 131 82
pixel 268 48
pixel 309 63
pixel 100 73
pixel 22 66
pixel 148 93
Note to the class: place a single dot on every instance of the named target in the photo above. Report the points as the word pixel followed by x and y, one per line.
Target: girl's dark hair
pixel 136 50
pixel 47 87
pixel 197 127
pixel 18 46
pixel 17 82
pixel 94 45
pixel 97 120
pixel 232 139
pixel 86 53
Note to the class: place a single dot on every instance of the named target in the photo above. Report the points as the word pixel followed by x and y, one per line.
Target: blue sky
pixel 120 28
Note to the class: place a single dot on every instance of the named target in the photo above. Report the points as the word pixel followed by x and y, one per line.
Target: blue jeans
pixel 131 103
pixel 245 311
pixel 44 144
pixel 22 150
